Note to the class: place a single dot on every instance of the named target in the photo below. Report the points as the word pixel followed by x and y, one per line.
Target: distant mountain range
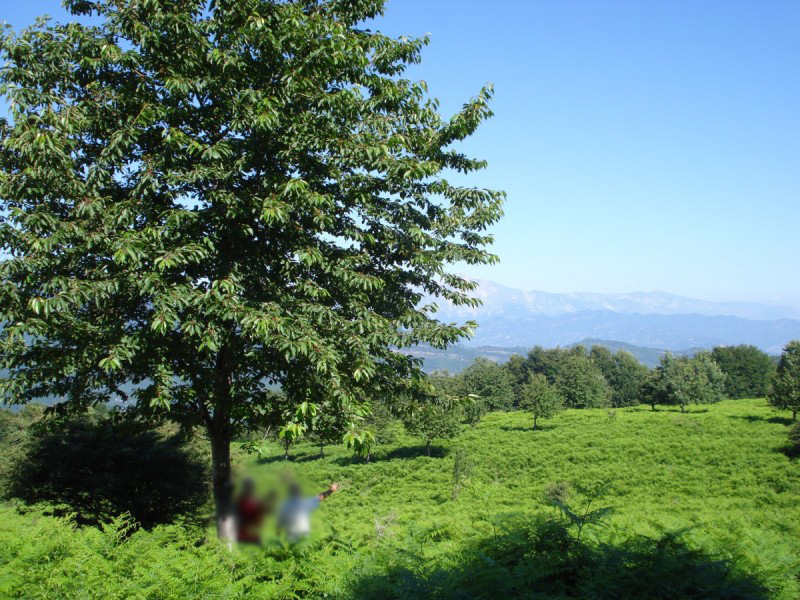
pixel 657 320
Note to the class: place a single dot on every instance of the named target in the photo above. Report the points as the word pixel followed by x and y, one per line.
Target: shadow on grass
pixel 541 559
pixel 404 453
pixel 415 452
pixel 664 408
pixel 539 427
pixel 94 468
pixel 748 418
pixel 791 450
pixel 757 418
pixel 293 458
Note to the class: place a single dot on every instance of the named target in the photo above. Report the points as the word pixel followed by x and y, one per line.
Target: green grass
pixel 717 477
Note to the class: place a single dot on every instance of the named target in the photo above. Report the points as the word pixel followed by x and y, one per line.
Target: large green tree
pixel 683 380
pixel 580 382
pixel 785 392
pixel 747 370
pixel 624 374
pixel 547 361
pixel 202 197
pixel 490 382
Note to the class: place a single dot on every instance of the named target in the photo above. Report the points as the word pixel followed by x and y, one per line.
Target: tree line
pixel 546 381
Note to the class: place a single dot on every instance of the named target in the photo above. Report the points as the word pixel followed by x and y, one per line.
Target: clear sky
pixel 643 145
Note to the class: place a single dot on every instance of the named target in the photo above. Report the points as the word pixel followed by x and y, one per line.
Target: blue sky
pixel 643 145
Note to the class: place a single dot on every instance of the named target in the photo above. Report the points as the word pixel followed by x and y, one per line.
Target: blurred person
pixel 295 514
pixel 250 513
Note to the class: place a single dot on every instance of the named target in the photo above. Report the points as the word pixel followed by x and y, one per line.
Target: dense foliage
pixel 540 398
pixel 622 374
pixel 747 370
pixel 490 382
pixel 785 391
pixel 102 464
pixel 704 507
pixel 681 381
pixel 200 198
pixel 581 383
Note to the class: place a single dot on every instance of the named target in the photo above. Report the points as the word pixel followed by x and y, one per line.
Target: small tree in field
pixel 785 393
pixel 653 391
pixel 328 426
pixel 682 381
pixel 540 398
pixel 436 419
pixel 200 198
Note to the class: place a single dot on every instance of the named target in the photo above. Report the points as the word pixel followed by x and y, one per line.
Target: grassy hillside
pixel 704 506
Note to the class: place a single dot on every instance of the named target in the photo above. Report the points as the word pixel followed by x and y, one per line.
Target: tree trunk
pixel 223 487
pixel 286 449
pixel 321 451
pixel 428 447
pixel 794 414
pixel 221 433
pixel 534 422
pixel 367 457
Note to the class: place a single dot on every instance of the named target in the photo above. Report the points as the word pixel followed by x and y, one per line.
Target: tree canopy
pixel 490 382
pixel 201 198
pixel 623 373
pixel 681 381
pixel 747 370
pixel 581 383
pixel 785 393
pixel 540 398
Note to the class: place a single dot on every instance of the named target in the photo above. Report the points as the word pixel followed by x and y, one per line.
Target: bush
pixel 97 466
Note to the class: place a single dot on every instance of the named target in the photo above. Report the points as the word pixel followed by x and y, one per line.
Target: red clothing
pixel 249 514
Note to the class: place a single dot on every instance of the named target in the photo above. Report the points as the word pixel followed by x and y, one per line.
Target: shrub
pixel 97 466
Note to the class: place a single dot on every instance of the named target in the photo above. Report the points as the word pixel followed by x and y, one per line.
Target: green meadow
pixel 703 505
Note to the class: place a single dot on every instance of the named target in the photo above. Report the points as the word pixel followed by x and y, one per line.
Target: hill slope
pixel 717 479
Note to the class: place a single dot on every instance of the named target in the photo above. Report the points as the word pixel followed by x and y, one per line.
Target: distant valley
pixel 644 323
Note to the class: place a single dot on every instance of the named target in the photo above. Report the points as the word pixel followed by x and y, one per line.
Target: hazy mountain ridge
pixel 501 300
pixel 515 318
